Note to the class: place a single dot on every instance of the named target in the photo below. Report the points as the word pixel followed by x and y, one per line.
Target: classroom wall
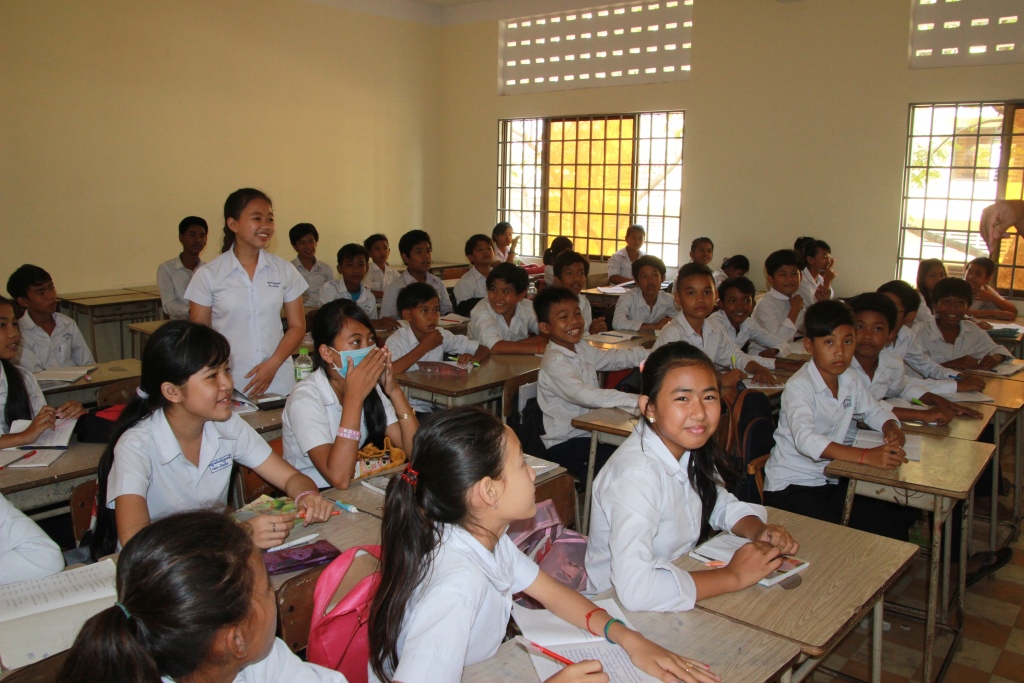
pixel 796 120
pixel 120 117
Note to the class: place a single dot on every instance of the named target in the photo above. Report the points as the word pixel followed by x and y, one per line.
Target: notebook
pixel 722 547
pixel 967 397
pixel 1004 369
pixel 59 437
pixel 59 377
pixel 868 438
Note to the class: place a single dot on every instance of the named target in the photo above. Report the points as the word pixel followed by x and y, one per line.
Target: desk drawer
pixel 119 310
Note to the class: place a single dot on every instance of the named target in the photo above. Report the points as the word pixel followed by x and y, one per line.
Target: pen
pixel 346 507
pixel 308 538
pixel 918 402
pixel 302 515
pixel 27 455
pixel 734 361
pixel 715 563
pixel 530 645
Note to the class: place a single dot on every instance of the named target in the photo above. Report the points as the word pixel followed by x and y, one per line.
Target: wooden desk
pixel 960 428
pixel 141 332
pixel 484 384
pixel 438 267
pixel 849 574
pixel 90 312
pixel 1008 398
pixel 606 425
pixel 92 294
pixel 145 289
pixel 1018 377
pixel 85 390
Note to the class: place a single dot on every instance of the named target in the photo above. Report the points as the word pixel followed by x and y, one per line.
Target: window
pixel 955 33
pixel 589 178
pixel 960 158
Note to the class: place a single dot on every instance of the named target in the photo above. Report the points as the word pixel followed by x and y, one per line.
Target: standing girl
pixel 448 571
pixel 176 441
pixel 341 406
pixel 929 272
pixel 504 243
pixel 660 494
pixel 240 294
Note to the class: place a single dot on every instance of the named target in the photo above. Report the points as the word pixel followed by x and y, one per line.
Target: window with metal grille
pixel 960 158
pixel 955 33
pixel 589 177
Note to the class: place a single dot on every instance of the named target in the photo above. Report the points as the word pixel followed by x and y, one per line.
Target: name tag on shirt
pixel 848 402
pixel 274 284
pixel 220 463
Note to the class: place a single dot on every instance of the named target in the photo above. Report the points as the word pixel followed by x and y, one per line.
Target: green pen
pixel 918 402
pixel 734 361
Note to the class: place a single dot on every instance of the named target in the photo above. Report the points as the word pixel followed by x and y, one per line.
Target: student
pixel 929 272
pixel 504 322
pixel 504 242
pixel 645 307
pixel 952 341
pixel 194 604
pixel 660 494
pixel 422 339
pixel 316 273
pixel 798 247
pixel 174 446
pixel 448 570
pixel 417 253
pixel 781 310
pixel 558 246
pixel 348 401
pixel 735 304
pixel 733 266
pixel 173 276
pixel 620 265
pixel 26 552
pixel 818 405
pixel 571 271
pixel 695 295
pixel 20 395
pixel 380 274
pixel 352 260
pixel 988 303
pixel 49 339
pixel 240 294
pixel 702 251
pixel 817 275
pixel 472 286
pixel 567 385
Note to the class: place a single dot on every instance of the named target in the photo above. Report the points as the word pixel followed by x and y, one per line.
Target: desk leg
pixel 851 491
pixel 876 640
pixel 590 483
pixel 787 676
pixel 946 558
pixel 933 589
pixel 966 521
pixel 999 423
pixel 1018 465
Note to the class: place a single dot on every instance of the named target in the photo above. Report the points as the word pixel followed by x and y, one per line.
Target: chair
pixel 755 468
pixel 118 392
pixel 250 486
pixel 83 497
pixel 510 395
pixel 43 671
pixel 454 273
pixel 561 489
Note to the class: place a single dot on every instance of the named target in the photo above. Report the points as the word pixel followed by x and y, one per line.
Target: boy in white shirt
pixel 735 304
pixel 48 339
pixel 417 253
pixel 352 264
pixel 472 286
pixel 702 251
pixel 380 273
pixel 571 270
pixel 988 303
pixel 952 341
pixel 172 277
pixel 780 312
pixel 315 272
pixel 732 267
pixel 504 322
pixel 567 386
pixel 818 408
pixel 646 306
pixel 620 265
pixel 26 552
pixel 817 276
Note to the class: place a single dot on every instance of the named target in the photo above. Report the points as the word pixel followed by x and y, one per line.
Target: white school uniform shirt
pixel 317 277
pixel 619 264
pixel 713 340
pixel 489 328
pixel 502 254
pixel 751 332
pixel 337 289
pixel 549 275
pixel 472 285
pixel 172 277
pixel 404 340
pixel 567 386
pixel 891 379
pixel 148 462
pixel 283 666
pixel 772 314
pixel 35 396
pixel 810 419
pixel 646 513
pixel 918 362
pixel 970 341
pixel 389 304
pixel 719 277
pixel 457 616
pixel 64 348
pixel 631 311
pixel 26 552
pixel 311 418
pixel 248 312
pixel 378 278
pixel 809 285
pixel 588 314
pixel 924 314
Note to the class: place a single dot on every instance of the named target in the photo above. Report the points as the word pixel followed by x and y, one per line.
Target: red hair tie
pixel 410 476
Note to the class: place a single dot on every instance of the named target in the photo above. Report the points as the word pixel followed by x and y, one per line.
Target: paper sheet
pixel 614 661
pixel 610 337
pixel 967 397
pixel 58 437
pixel 867 438
pixel 1004 369
pixel 612 289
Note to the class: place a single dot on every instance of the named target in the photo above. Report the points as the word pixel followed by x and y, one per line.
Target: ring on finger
pixel 273 527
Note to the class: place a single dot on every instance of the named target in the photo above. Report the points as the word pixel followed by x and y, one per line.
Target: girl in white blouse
pixel 448 571
pixel 660 494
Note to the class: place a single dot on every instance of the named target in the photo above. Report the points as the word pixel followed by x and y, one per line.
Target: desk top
pixel 145 289
pixel 80 460
pixel 106 372
pixel 494 371
pixel 124 297
pixel 147 328
pixel 606 420
pixel 1008 393
pixel 960 428
pixel 93 294
pixel 1019 377
pixel 948 467
pixel 849 570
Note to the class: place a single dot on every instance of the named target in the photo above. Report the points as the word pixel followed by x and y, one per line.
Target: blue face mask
pixel 357 356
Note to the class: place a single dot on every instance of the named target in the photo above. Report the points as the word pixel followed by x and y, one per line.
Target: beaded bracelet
pixel 306 493
pixel 590 614
pixel 608 625
pixel 349 434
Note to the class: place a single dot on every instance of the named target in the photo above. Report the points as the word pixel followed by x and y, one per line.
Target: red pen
pixel 27 455
pixel 530 645
pixel 302 515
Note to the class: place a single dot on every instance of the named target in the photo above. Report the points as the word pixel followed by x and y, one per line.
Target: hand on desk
pixel 588 671
pixel 989 362
pixel 779 537
pixel 971 383
pixel 598 325
pixel 45 419
pixel 962 363
pixel 316 509
pixel 752 562
pixel 269 531
pixel 885 457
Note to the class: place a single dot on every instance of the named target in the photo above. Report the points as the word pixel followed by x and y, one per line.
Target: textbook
pixel 722 547
pixel 1004 369
pixel 610 337
pixel 59 377
pixel 57 438
pixel 41 617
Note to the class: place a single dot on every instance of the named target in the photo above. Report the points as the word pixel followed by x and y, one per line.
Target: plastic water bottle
pixel 303 365
pixel 531 291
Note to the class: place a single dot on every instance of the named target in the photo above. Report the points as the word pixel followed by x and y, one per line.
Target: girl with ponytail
pixel 448 571
pixel 194 604
pixel 176 441
pixel 660 494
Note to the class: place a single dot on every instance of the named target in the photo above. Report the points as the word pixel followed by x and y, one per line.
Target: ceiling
pixel 446 3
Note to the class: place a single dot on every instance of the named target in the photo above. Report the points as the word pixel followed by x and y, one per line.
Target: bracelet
pixel 404 416
pixel 349 434
pixel 590 614
pixel 306 493
pixel 863 452
pixel 608 625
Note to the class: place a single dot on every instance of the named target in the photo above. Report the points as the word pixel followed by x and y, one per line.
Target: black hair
pixel 451 452
pixel 550 296
pixel 475 240
pixel 412 295
pixel 699 240
pixel 876 302
pixel 691 269
pixel 24 277
pixel 19 403
pixel 648 260
pixel 798 247
pixel 812 247
pixel 986 263
pixel 638 228
pixel 181 580
pixel 779 259
pixel 327 324
pixel 411 239
pixel 824 317
pixel 374 238
pixel 510 273
pixel 566 259
pixel 189 221
pixel 234 205
pixel 955 287
pixel 499 229
pixel 175 352
pixel 351 251
pixel 742 283
pixel 908 296
pixel 558 245
pixel 300 230
pixel 923 268
pixel 739 262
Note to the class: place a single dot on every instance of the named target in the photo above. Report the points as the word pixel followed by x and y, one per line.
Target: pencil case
pixel 301 557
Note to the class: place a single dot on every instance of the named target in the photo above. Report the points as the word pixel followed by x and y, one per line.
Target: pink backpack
pixel 338 639
pixel 560 552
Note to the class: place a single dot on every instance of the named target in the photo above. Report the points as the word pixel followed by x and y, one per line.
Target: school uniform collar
pixel 818 382
pixel 564 351
pixel 461 541
pixel 167 447
pixel 932 331
pixel 181 266
pixel 27 323
pixel 655 450
pixel 776 294
pixel 261 260
pixel 817 280
pixel 323 386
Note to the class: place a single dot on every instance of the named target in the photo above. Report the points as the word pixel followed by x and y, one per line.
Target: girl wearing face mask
pixel 349 400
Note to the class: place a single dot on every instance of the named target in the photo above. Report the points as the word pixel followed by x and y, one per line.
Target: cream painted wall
pixel 120 117
pixel 796 124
